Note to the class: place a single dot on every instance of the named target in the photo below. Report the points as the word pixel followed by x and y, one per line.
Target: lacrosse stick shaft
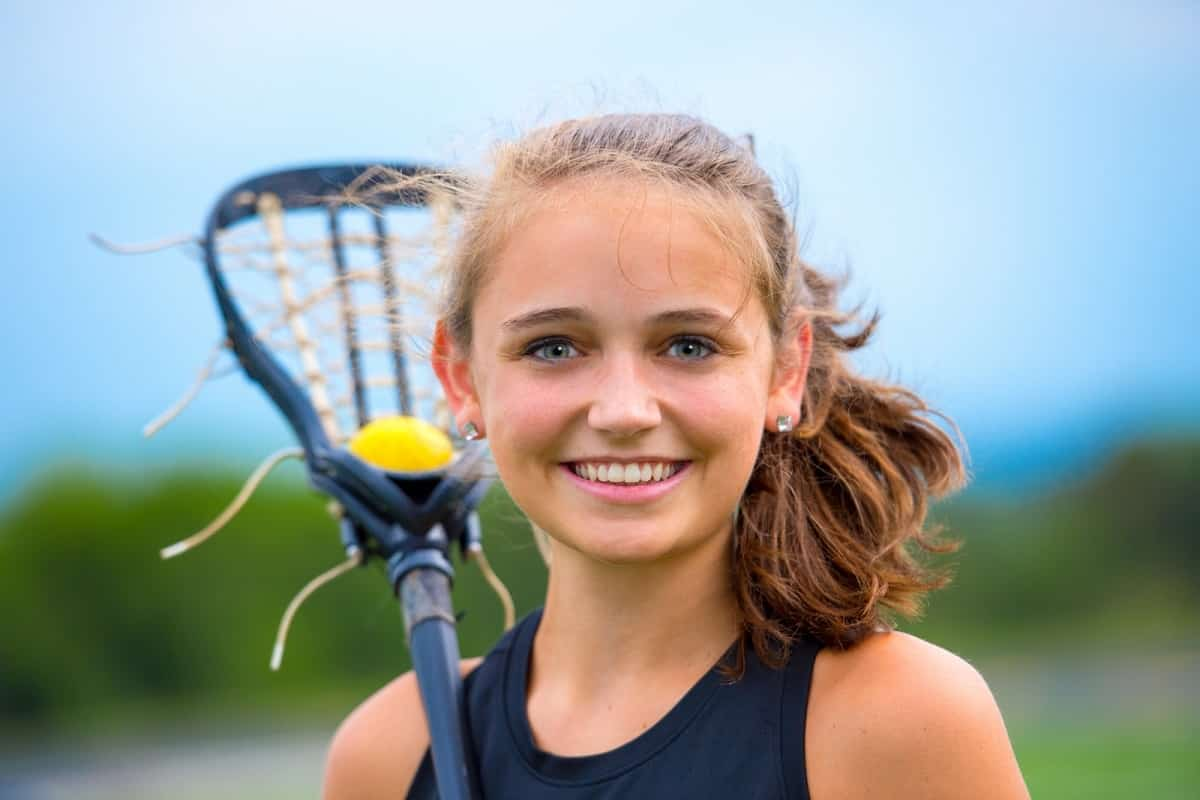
pixel 433 643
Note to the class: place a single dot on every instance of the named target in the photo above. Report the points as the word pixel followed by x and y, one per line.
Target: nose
pixel 624 402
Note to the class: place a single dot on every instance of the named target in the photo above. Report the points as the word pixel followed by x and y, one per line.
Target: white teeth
pixel 625 473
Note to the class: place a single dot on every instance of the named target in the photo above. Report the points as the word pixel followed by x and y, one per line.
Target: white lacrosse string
pixel 493 580
pixel 355 559
pixel 542 540
pixel 270 210
pixel 163 419
pixel 142 249
pixel 248 488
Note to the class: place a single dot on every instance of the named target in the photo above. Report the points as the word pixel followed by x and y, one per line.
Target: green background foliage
pixel 1108 561
pixel 103 628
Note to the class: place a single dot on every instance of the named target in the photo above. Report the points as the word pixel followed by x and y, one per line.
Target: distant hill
pixel 1110 557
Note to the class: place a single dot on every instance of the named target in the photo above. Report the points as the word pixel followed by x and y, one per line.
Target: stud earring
pixel 784 423
pixel 470 432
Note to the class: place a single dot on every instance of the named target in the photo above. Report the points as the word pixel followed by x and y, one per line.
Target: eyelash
pixel 534 347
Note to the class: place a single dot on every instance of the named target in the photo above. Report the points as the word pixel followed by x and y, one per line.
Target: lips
pixel 622 493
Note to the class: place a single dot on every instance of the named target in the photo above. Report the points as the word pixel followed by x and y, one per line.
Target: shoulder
pixel 378 748
pixel 921 716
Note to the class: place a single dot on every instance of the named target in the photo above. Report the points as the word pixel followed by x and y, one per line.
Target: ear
pixel 453 370
pixel 790 373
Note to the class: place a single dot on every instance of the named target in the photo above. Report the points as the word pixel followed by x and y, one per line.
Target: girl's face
pixel 623 371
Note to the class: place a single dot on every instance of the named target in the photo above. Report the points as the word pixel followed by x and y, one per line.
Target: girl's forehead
pixel 620 247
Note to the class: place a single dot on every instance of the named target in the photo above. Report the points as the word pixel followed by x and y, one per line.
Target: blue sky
pixel 1017 188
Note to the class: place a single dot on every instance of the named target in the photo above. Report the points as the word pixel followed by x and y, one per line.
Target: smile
pixel 614 487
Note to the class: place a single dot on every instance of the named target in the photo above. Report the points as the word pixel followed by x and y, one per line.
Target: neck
pixel 605 623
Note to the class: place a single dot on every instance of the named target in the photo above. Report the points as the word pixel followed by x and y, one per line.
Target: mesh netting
pixel 345 298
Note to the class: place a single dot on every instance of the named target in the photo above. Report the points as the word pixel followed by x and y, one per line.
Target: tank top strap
pixel 793 713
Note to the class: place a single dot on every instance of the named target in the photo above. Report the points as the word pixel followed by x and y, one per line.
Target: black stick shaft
pixel 433 642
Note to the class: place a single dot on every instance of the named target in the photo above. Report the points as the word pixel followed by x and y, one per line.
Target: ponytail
pixel 830 524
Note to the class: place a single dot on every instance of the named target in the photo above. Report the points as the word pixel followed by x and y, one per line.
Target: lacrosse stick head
pixel 327 280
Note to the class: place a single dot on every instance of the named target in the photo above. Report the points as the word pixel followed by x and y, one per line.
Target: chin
pixel 624 551
pixel 626 542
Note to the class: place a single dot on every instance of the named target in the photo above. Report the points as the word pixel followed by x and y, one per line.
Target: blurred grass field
pixel 1061 762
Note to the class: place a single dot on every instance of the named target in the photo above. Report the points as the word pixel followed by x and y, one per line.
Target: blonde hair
pixel 825 532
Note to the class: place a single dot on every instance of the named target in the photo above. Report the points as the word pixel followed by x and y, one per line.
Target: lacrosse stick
pixel 328 318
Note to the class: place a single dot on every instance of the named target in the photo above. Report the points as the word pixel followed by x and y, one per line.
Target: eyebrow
pixel 687 316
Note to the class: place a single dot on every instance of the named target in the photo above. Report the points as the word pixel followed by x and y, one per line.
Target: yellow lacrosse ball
pixel 402 444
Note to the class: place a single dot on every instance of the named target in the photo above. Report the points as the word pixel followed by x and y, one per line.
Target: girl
pixel 729 507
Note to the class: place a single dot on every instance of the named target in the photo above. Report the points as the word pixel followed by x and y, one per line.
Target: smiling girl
pixel 730 509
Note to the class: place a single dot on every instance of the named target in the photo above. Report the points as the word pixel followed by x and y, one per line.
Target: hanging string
pixel 493 580
pixel 355 559
pixel 223 518
pixel 142 249
pixel 542 540
pixel 157 424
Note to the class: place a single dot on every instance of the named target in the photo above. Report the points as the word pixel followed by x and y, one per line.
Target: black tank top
pixel 742 740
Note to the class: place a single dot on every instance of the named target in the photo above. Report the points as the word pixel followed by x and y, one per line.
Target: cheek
pixel 524 416
pixel 741 426
pixel 727 415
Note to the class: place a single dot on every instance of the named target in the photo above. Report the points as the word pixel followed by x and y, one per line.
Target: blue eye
pixel 551 350
pixel 691 348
